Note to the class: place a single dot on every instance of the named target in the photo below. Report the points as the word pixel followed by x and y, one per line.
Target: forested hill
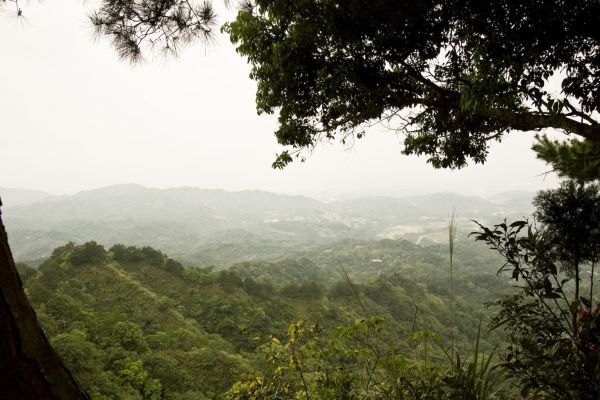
pixel 133 323
pixel 215 227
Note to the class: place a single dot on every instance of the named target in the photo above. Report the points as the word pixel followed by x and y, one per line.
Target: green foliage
pixel 132 254
pixel 575 159
pixel 552 323
pixel 361 362
pixel 120 338
pixel 450 74
pixel 25 271
pixel 79 354
pixel 198 331
pixel 68 312
pixel 308 290
pixel 129 336
pixel 571 219
pixel 88 253
pixel 474 379
pixel 132 373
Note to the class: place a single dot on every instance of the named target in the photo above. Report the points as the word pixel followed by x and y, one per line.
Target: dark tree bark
pixel 29 367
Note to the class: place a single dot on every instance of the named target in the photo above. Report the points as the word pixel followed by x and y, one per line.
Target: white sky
pixel 74 117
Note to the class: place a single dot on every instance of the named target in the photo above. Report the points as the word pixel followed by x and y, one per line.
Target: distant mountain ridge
pixel 15 197
pixel 197 225
pixel 139 202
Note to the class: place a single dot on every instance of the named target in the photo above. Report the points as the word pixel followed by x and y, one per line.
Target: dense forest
pixel 130 322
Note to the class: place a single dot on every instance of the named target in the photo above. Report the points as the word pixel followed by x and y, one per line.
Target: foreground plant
pixel 553 323
pixel 361 362
pixel 474 376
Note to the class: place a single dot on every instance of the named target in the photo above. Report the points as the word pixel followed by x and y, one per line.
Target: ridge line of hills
pixel 216 227
pixel 20 196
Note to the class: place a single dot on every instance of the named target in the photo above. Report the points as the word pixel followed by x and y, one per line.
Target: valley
pixel 218 228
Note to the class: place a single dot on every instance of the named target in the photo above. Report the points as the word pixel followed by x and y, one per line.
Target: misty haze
pixel 218 228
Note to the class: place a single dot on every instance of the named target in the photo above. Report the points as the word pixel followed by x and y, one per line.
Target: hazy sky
pixel 74 117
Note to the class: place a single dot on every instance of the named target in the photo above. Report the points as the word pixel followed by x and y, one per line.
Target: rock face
pixel 30 369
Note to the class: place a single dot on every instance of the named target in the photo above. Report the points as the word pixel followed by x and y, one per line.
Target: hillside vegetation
pixel 130 322
pixel 218 228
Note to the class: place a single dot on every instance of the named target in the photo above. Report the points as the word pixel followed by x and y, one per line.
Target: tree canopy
pixel 452 75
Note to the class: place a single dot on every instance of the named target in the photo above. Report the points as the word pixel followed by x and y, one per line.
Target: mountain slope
pixel 215 227
pixel 130 321
pixel 12 197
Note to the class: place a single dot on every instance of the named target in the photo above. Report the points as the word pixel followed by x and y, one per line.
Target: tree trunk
pixel 29 367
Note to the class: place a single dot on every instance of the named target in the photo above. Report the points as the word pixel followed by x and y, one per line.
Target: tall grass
pixel 452 227
pixel 352 287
